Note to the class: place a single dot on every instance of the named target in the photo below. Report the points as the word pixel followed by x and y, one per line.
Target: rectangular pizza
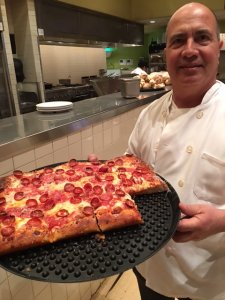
pixel 72 199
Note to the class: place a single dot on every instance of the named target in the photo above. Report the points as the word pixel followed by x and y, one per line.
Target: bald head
pixel 191 9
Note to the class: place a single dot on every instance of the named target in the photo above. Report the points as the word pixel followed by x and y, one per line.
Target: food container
pixel 130 87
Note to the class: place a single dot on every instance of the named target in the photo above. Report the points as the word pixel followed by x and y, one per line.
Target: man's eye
pixel 176 42
pixel 203 38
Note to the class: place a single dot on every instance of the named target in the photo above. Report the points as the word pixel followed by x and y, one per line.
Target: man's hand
pixel 201 221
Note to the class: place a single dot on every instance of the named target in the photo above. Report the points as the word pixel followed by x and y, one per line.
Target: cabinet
pixel 65 21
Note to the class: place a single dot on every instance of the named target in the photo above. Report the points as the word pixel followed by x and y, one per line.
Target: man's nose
pixel 190 48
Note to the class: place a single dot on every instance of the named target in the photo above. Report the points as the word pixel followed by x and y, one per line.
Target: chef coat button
pixel 180 183
pixel 189 149
pixel 199 114
pixel 164 114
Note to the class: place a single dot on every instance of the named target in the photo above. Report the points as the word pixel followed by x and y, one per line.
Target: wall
pixel 60 62
pixel 107 139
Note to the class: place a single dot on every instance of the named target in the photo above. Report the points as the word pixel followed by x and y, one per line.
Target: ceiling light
pixel 152 21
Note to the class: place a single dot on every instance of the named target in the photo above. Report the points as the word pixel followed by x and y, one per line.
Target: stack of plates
pixel 54 106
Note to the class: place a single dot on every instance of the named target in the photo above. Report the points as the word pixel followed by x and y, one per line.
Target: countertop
pixel 19 133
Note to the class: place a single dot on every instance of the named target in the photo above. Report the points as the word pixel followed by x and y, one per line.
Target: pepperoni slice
pixel 43 198
pixel 9 220
pixel 18 173
pixel 103 169
pixel 136 174
pixel 89 171
pixel 36 182
pixel 109 188
pixel 97 189
pixel 78 190
pixel 120 193
pixel 7 231
pixel 58 177
pixel 116 210
pixel 31 203
pixel 129 203
pixel 25 181
pixel 19 196
pixel 119 162
pixel 69 187
pixel 127 182
pixel 62 213
pixel 111 163
pixel 88 187
pixel 95 202
pixel 97 177
pixel 59 171
pixel 3 213
pixel 121 169
pixel 75 177
pixel 75 200
pixel 106 198
pixel 70 172
pixel 37 213
pixel 137 180
pixel 2 201
pixel 34 222
pixel 122 176
pixel 73 162
pixel 109 178
pixel 48 170
pixel 88 210
pixel 49 204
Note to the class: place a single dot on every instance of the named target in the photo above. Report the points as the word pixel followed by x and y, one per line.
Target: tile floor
pixel 125 289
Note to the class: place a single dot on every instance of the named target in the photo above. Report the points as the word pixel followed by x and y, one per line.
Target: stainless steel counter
pixel 18 134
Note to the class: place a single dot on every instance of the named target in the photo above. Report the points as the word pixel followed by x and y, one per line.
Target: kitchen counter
pixel 19 133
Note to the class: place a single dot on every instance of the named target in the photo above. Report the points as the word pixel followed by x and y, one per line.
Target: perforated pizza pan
pixel 88 258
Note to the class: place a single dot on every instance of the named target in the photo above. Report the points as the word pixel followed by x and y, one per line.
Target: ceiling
pixel 162 21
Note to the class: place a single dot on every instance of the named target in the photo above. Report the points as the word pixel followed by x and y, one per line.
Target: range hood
pixel 73 42
pixel 65 24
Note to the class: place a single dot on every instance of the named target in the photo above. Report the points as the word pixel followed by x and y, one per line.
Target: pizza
pixel 72 199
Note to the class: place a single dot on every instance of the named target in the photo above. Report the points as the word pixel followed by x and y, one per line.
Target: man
pixel 142 68
pixel 182 136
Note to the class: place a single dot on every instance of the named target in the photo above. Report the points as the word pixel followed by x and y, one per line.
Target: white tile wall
pixel 106 139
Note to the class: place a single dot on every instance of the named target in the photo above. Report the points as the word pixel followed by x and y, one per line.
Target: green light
pixel 108 49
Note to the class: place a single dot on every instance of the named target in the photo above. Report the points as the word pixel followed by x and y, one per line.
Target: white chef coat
pixel 187 147
pixel 139 71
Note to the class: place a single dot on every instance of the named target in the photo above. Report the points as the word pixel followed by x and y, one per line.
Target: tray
pixel 88 258
pixel 152 90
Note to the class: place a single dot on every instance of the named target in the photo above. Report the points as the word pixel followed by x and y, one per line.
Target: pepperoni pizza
pixel 72 199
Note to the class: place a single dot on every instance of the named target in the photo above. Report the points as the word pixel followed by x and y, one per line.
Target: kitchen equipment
pixel 89 258
pixel 106 85
pixel 130 87
pixel 65 81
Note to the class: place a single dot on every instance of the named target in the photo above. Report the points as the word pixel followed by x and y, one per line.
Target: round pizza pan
pixel 90 258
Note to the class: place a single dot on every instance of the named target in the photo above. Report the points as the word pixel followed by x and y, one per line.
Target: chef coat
pixel 187 147
pixel 139 71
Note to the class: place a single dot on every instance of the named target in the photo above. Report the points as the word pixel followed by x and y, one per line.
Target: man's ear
pixel 221 44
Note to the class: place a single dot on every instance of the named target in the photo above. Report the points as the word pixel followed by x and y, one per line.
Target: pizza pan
pixel 89 258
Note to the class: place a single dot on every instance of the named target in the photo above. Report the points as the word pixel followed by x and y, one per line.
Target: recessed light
pixel 152 21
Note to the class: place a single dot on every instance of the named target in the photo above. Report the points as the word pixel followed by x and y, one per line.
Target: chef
pixel 142 68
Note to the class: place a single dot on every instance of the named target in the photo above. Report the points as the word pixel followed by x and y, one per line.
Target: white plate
pixel 54 106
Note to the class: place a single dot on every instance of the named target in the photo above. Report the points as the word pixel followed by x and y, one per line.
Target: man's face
pixel 192 50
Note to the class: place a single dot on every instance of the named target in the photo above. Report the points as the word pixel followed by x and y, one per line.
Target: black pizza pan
pixel 89 258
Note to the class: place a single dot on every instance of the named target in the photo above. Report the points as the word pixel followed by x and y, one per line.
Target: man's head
pixel 143 64
pixel 192 48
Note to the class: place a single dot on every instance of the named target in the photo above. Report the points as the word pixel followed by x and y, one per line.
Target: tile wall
pixel 106 139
